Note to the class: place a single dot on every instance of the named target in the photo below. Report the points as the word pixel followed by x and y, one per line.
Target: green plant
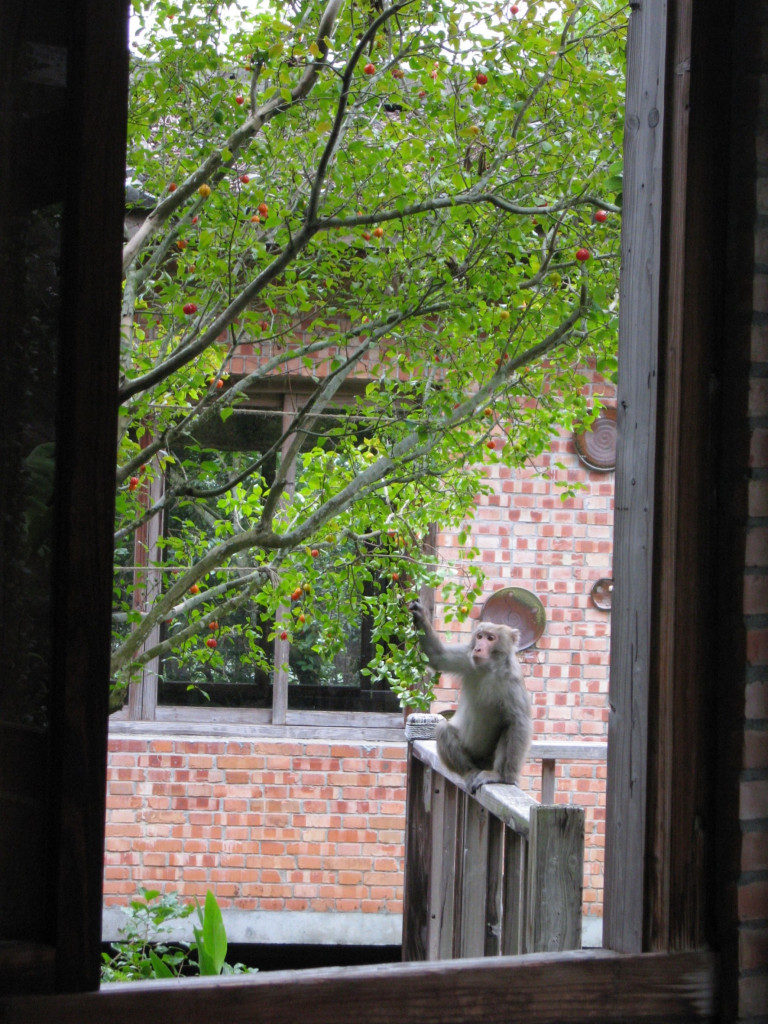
pixel 211 940
pixel 143 954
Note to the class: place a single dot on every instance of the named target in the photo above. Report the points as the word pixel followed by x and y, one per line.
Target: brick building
pixel 300 837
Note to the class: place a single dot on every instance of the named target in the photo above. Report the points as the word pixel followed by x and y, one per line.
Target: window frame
pixel 282 395
pixel 647 803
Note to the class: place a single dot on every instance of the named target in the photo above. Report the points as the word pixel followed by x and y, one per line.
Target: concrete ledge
pixel 282 927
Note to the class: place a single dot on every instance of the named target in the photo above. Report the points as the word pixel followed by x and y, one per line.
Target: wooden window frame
pixel 143 705
pixel 656 964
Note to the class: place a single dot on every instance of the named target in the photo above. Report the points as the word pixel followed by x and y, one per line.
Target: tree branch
pixel 205 172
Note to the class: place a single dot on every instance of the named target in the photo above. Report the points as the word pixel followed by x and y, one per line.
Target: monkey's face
pixel 492 643
pixel 484 645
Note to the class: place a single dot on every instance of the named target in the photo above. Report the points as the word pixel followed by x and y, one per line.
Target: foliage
pixel 388 202
pixel 140 956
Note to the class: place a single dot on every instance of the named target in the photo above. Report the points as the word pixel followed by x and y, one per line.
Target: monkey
pixel 488 737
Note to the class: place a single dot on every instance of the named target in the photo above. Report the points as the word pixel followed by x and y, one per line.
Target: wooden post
pixel 555 864
pixel 626 825
pixel 282 648
pixel 418 856
pixel 548 780
pixel 142 695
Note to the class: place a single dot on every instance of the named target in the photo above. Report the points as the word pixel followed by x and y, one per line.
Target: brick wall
pixel 292 835
pixel 752 878
pixel 743 664
pixel 267 825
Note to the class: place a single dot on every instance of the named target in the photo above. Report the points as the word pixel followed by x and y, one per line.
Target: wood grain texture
pixel 418 860
pixel 252 724
pixel 681 827
pixel 538 989
pixel 459 899
pixel 446 891
pixel 666 611
pixel 548 765
pixel 555 879
pixel 474 879
pixel 635 482
pixel 494 891
pixel 441 868
pixel 515 893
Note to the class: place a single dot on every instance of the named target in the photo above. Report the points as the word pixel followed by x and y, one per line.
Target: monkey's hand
pixel 418 615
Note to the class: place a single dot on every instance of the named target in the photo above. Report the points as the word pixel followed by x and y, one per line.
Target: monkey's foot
pixel 483 778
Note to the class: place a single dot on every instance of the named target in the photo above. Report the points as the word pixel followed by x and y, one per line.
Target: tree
pixel 421 199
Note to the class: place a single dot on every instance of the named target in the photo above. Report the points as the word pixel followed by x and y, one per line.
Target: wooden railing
pixel 497 873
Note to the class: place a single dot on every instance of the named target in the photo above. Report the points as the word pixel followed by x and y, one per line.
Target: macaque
pixel 488 737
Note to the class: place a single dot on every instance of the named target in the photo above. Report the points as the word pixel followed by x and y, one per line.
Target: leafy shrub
pixel 143 953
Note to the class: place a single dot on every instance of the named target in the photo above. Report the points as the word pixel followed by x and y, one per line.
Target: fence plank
pixel 509 803
pixel 555 865
pixel 418 856
pixel 515 893
pixel 438 868
pixel 500 873
pixel 458 871
pixel 474 880
pixel 494 893
pixel 447 891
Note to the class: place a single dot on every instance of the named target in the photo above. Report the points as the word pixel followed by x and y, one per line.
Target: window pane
pixel 236 670
pixel 331 651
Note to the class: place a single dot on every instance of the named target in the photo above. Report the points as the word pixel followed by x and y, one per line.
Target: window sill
pixel 248 723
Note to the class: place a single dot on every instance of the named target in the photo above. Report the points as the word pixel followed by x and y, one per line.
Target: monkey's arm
pixel 442 658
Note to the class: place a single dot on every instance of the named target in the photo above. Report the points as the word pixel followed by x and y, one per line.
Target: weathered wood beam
pixel 631 633
pixel 569 988
pixel 508 803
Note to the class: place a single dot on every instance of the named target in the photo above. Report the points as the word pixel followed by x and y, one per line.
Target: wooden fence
pixel 492 874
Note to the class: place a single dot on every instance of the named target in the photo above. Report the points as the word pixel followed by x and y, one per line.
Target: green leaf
pixel 213 938
pixel 162 970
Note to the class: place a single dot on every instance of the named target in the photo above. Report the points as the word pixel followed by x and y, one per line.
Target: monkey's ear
pixel 514 635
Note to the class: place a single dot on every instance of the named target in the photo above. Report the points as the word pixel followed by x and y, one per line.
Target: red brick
pixel 756 703
pixel 754 851
pixel 753 948
pixel 753 800
pixel 753 997
pixel 756 749
pixel 753 901
pixel 757 646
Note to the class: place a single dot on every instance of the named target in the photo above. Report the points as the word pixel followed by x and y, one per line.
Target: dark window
pixel 239 671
